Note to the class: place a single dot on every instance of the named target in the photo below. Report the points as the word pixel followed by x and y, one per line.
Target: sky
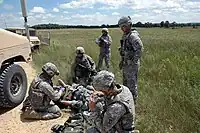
pixel 98 12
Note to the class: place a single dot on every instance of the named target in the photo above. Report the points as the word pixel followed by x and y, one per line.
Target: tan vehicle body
pixel 13 79
pixel 35 42
pixel 14 46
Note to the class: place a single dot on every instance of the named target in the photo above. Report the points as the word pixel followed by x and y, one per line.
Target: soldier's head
pixel 104 31
pixel 80 51
pixel 50 69
pixel 125 24
pixel 104 81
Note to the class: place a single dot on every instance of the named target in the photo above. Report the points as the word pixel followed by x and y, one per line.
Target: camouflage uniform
pixel 104 42
pixel 77 97
pixel 82 68
pixel 39 105
pixel 116 114
pixel 131 50
pixel 135 32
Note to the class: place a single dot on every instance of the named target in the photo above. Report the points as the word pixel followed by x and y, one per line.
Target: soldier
pixel 117 113
pixel 104 42
pixel 83 67
pixel 39 105
pixel 130 51
pixel 76 97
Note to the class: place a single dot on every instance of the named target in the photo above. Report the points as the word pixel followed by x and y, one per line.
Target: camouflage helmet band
pixel 124 21
pixel 50 69
pixel 103 80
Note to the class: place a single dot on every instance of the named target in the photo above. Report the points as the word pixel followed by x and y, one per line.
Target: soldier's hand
pixel 93 99
pixel 98 94
pixel 92 103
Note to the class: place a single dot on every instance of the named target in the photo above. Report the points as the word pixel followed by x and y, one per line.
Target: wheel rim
pixel 16 85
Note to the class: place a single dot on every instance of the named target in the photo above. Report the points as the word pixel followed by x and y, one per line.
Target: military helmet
pixel 50 69
pixel 80 50
pixel 105 29
pixel 103 80
pixel 124 21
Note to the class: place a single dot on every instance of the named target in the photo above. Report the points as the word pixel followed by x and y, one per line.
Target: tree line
pixel 162 24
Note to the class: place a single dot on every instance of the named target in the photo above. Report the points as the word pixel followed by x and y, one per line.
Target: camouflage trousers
pixel 130 78
pixel 106 57
pixel 43 113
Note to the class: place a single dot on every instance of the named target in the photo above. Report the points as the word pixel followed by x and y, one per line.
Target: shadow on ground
pixel 22 118
pixel 4 110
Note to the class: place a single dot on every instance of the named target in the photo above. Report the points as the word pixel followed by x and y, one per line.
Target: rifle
pixel 89 70
pixel 121 50
pixel 103 40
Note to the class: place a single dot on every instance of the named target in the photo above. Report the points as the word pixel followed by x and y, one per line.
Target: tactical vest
pixel 38 99
pixel 82 69
pixel 125 98
pixel 128 48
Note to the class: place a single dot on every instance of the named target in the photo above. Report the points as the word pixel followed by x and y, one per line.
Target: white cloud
pixel 180 10
pixel 65 12
pixel 38 10
pixel 90 3
pixel 8 7
pixel 115 13
pixel 94 19
pixel 156 11
pixel 78 4
pixel 156 5
pixel 139 10
pixel 55 9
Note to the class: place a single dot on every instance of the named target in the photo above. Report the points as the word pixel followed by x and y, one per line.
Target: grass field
pixel 169 80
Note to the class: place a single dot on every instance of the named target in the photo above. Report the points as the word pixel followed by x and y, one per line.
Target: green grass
pixel 169 79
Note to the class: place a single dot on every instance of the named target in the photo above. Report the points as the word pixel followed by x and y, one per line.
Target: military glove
pixel 62 89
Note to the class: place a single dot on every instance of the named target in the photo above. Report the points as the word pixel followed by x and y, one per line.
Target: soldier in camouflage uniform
pixel 39 105
pixel 104 42
pixel 83 67
pixel 76 97
pixel 130 51
pixel 117 112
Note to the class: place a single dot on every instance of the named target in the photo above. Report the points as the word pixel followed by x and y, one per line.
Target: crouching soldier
pixel 38 104
pixel 117 113
pixel 83 67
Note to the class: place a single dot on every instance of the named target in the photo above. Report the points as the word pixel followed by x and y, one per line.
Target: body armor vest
pixel 37 97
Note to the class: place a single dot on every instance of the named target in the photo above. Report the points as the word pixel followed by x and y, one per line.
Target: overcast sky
pixel 98 12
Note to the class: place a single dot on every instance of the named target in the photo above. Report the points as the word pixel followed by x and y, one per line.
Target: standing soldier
pixel 130 51
pixel 104 42
pixel 82 68
pixel 39 105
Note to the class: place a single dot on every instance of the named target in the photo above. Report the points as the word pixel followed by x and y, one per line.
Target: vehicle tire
pixel 13 86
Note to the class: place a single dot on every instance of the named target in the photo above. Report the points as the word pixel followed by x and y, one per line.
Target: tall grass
pixel 169 79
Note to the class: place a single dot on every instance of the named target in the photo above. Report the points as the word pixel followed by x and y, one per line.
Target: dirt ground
pixel 11 122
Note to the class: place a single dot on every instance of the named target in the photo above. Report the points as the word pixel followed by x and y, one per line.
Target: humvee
pixel 13 81
pixel 35 41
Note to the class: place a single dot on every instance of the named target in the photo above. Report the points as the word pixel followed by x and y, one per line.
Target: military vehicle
pixel 13 80
pixel 35 41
